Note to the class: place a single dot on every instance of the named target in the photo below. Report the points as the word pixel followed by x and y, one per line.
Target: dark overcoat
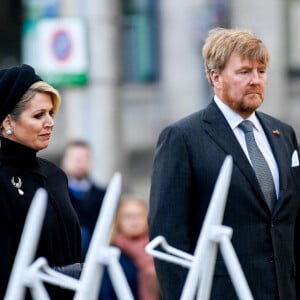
pixel 60 237
pixel 188 158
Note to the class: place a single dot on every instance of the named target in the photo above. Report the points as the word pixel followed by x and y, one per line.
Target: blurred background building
pixel 126 68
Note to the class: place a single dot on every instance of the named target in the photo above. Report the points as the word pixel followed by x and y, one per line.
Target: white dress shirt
pixel 234 120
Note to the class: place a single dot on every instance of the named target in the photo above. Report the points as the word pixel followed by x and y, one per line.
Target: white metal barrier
pixel 202 264
pixel 27 247
pixel 100 254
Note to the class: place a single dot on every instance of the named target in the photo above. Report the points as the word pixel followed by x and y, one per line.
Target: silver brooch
pixel 17 184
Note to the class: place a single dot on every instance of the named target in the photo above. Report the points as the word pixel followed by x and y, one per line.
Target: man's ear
pixel 215 78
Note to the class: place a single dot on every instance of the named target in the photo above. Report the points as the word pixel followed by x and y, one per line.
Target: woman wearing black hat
pixel 27 108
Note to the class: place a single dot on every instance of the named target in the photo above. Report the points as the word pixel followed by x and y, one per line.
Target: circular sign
pixel 61 45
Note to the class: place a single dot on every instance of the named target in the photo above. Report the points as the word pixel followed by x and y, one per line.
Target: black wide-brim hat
pixel 14 82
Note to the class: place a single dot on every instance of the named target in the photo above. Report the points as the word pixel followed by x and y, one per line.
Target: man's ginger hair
pixel 221 43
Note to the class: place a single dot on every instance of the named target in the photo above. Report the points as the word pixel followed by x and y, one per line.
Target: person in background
pixel 130 235
pixel 263 203
pixel 86 196
pixel 28 106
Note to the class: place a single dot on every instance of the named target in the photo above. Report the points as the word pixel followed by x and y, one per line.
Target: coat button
pixel 271 260
pixel 273 223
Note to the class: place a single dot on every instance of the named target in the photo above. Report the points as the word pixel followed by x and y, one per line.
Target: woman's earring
pixel 9 131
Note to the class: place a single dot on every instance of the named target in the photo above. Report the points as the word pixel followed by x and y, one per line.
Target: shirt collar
pixel 233 118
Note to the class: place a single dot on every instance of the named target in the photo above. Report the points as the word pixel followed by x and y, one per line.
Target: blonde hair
pixel 125 199
pixel 221 43
pixel 37 87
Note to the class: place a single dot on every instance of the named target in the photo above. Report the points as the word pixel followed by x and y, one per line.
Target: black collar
pixel 15 154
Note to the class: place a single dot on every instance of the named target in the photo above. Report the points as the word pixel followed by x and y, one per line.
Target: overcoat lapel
pixel 218 128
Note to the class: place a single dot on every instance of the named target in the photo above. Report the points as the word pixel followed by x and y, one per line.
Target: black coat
pixel 60 237
pixel 188 159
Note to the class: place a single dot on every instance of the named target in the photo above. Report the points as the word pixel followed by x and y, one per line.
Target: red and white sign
pixel 62 46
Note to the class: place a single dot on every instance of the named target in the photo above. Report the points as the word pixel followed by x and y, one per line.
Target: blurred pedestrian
pixel 28 106
pixel 86 196
pixel 130 234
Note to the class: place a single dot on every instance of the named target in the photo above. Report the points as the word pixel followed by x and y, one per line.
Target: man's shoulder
pixel 190 120
pixel 187 126
pixel 273 120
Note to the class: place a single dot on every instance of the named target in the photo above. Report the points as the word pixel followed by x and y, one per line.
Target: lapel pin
pixel 17 184
pixel 276 131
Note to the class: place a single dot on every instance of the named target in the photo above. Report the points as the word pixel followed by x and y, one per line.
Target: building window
pixel 139 41
pixel 293 24
pixel 10 33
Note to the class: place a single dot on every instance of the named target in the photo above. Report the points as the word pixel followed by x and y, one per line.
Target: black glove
pixel 73 270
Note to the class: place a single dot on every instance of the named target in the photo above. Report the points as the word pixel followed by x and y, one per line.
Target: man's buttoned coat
pixel 188 158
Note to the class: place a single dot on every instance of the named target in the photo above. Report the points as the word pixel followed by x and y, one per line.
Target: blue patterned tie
pixel 260 165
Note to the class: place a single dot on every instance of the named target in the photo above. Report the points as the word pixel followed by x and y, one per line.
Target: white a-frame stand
pixel 21 273
pixel 32 275
pixel 202 264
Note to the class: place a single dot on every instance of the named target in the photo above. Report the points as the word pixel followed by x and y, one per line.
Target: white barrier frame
pixel 27 247
pixel 202 264
pixel 99 254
